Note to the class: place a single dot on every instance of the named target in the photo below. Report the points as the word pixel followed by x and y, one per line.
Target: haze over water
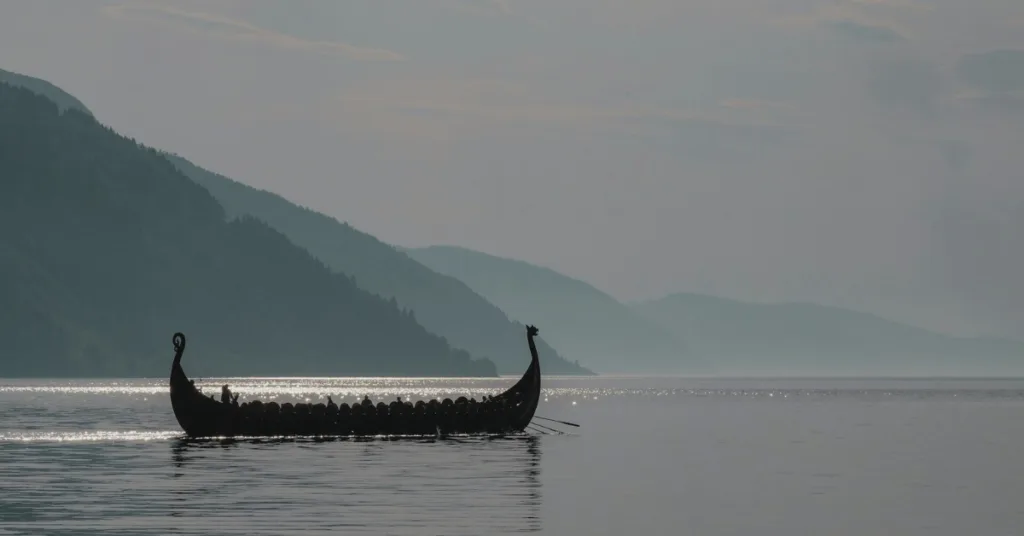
pixel 653 456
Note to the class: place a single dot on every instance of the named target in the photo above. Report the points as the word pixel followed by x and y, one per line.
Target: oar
pixel 559 422
pixel 538 430
pixel 547 428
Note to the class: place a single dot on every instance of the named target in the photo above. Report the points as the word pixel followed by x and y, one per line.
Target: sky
pixel 865 153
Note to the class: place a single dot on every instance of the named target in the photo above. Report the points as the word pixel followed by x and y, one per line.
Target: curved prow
pixel 525 394
pixel 179 347
pixel 180 383
pixel 188 403
pixel 531 332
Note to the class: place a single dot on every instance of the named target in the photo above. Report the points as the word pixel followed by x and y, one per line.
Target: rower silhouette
pixel 225 394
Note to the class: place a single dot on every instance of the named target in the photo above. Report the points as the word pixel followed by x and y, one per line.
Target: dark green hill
pixel 106 249
pixel 584 323
pixel 810 339
pixel 64 100
pixel 442 304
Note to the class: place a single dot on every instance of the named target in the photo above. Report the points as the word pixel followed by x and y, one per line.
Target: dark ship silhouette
pixel 201 416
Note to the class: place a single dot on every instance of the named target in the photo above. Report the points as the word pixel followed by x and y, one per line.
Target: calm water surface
pixel 653 456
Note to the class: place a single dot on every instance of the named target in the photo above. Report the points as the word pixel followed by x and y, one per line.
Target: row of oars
pixel 540 428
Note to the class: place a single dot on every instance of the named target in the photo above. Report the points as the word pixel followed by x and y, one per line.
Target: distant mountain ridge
pixel 585 323
pixel 806 338
pixel 440 303
pixel 63 99
pixel 106 249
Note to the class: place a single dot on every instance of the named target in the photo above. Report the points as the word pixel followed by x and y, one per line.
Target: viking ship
pixel 201 416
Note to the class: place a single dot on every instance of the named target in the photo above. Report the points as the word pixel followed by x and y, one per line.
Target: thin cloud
pixel 239 30
pixel 462 106
pixel 853 18
pixel 896 4
pixel 864 32
pixel 996 71
pixel 754 104
pixel 996 79
pixel 492 100
pixel 1005 104
pixel 486 8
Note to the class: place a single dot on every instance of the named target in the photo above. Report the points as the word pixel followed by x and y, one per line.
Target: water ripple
pixel 653 456
pixel 98 435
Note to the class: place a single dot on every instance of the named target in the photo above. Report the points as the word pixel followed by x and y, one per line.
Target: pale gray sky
pixel 858 152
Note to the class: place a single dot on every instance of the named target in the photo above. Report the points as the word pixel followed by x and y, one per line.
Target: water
pixel 654 456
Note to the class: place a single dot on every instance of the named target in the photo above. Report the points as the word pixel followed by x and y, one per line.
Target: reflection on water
pixel 653 456
pixel 466 486
pixel 42 436
pixel 106 456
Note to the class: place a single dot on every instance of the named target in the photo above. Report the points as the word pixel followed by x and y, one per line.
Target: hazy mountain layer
pixel 63 99
pixel 810 339
pixel 442 304
pixel 106 249
pixel 583 322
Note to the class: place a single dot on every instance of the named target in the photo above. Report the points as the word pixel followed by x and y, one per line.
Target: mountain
pixel 106 249
pixel 810 339
pixel 584 323
pixel 442 304
pixel 63 99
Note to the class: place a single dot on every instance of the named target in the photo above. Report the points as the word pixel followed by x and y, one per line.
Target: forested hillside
pixel 106 249
pixel 63 99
